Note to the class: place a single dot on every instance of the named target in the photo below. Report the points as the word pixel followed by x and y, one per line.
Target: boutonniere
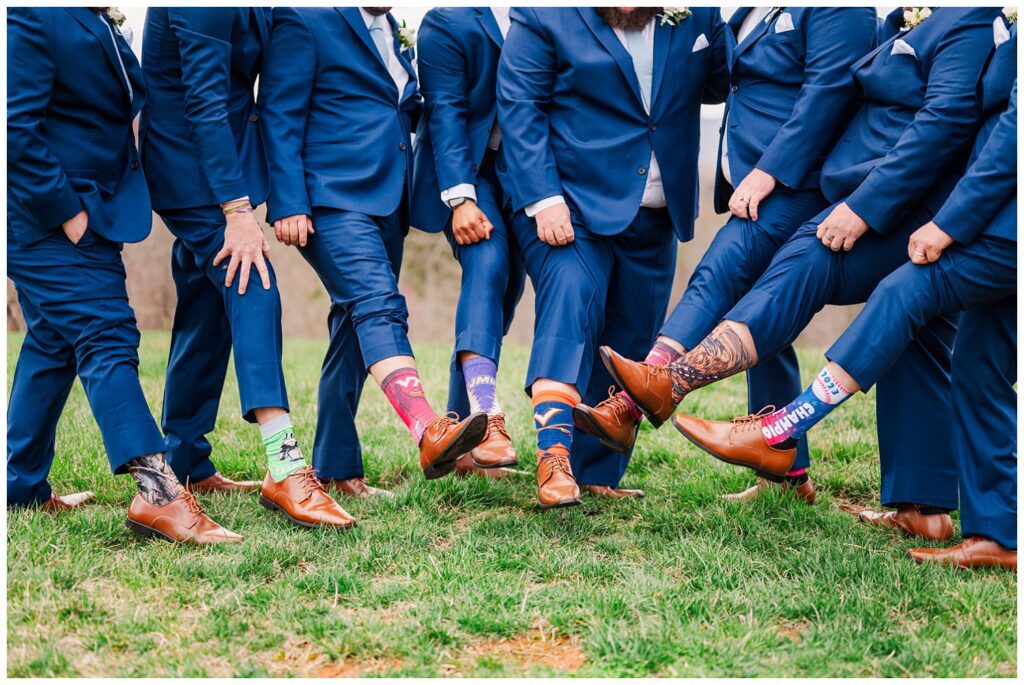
pixel 674 15
pixel 913 16
pixel 1011 14
pixel 116 17
pixel 406 36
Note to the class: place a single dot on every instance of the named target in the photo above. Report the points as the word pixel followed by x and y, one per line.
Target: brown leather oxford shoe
pixel 465 467
pixel 804 492
pixel 446 439
pixel 180 520
pixel 556 486
pixel 496 450
pixel 650 386
pixel 911 522
pixel 66 502
pixel 973 552
pixel 739 442
pixel 355 487
pixel 302 499
pixel 612 422
pixel 218 482
pixel 612 493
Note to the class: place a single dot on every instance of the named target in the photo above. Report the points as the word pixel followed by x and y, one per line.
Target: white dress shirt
pixel 654 191
pixel 746 28
pixel 398 73
pixel 457 194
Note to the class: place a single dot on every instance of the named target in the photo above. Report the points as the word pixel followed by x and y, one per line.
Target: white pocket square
pixel 1000 34
pixel 700 43
pixel 784 23
pixel 902 47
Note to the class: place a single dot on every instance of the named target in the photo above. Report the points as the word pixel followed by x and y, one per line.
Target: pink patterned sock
pixel 660 355
pixel 405 392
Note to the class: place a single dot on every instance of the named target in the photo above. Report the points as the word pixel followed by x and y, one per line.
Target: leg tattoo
pixel 718 356
pixel 157 483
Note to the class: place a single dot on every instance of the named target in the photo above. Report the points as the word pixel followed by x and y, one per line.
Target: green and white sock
pixel 283 454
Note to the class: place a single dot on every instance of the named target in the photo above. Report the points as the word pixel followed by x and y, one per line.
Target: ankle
pixel 154 479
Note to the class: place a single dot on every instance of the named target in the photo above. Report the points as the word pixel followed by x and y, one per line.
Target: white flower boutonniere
pixel 116 17
pixel 674 15
pixel 914 16
pixel 406 36
pixel 1011 14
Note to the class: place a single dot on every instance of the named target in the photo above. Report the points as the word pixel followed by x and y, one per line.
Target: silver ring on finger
pixel 828 237
pixel 918 253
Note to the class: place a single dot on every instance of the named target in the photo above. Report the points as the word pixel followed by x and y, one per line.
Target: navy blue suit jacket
pixel 918 112
pixel 200 66
pixel 336 129
pixel 791 91
pixel 573 121
pixel 457 59
pixel 70 144
pixel 984 201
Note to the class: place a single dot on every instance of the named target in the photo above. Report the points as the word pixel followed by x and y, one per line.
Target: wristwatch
pixel 456 201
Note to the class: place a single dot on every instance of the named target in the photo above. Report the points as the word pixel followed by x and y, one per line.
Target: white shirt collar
pixel 502 19
pixel 368 18
pixel 647 32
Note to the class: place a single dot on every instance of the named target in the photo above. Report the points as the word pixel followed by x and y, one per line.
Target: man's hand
pixel 245 244
pixel 748 195
pixel 841 228
pixel 294 230
pixel 927 244
pixel 554 226
pixel 469 224
pixel 74 228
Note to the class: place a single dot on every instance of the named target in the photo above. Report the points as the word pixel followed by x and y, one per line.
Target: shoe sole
pixel 652 417
pixel 591 426
pixel 472 434
pixel 499 465
pixel 267 504
pixel 147 532
pixel 719 457
pixel 559 505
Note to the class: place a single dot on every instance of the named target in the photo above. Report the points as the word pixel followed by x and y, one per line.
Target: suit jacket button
pixel 474 168
pixel 641 171
pixel 654 127
pixel 135 165
pixel 401 146
pixel 735 88
pixel 253 118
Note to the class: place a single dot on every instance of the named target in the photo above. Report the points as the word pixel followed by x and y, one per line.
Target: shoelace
pixel 558 462
pixel 751 421
pixel 497 423
pixel 191 503
pixel 442 422
pixel 617 404
pixel 308 480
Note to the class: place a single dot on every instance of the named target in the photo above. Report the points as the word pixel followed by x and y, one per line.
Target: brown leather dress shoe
pixel 66 502
pixel 804 492
pixel 612 493
pixel 911 522
pixel 973 552
pixel 446 439
pixel 650 386
pixel 464 467
pixel 496 450
pixel 302 499
pixel 355 487
pixel 556 486
pixel 180 520
pixel 218 482
pixel 612 422
pixel 738 442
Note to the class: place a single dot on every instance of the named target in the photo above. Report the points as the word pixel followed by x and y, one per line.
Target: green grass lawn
pixel 465 577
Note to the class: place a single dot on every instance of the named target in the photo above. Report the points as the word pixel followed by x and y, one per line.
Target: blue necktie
pixel 643 63
pixel 380 39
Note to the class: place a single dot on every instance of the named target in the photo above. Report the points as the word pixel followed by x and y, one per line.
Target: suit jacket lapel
pixel 261 23
pixel 756 34
pixel 95 25
pixel 490 24
pixel 410 86
pixel 734 24
pixel 606 36
pixel 662 42
pixel 355 21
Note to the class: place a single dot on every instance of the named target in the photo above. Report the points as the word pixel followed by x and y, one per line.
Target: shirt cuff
pixel 466 190
pixel 541 205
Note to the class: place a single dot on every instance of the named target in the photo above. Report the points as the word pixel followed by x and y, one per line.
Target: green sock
pixel 283 454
